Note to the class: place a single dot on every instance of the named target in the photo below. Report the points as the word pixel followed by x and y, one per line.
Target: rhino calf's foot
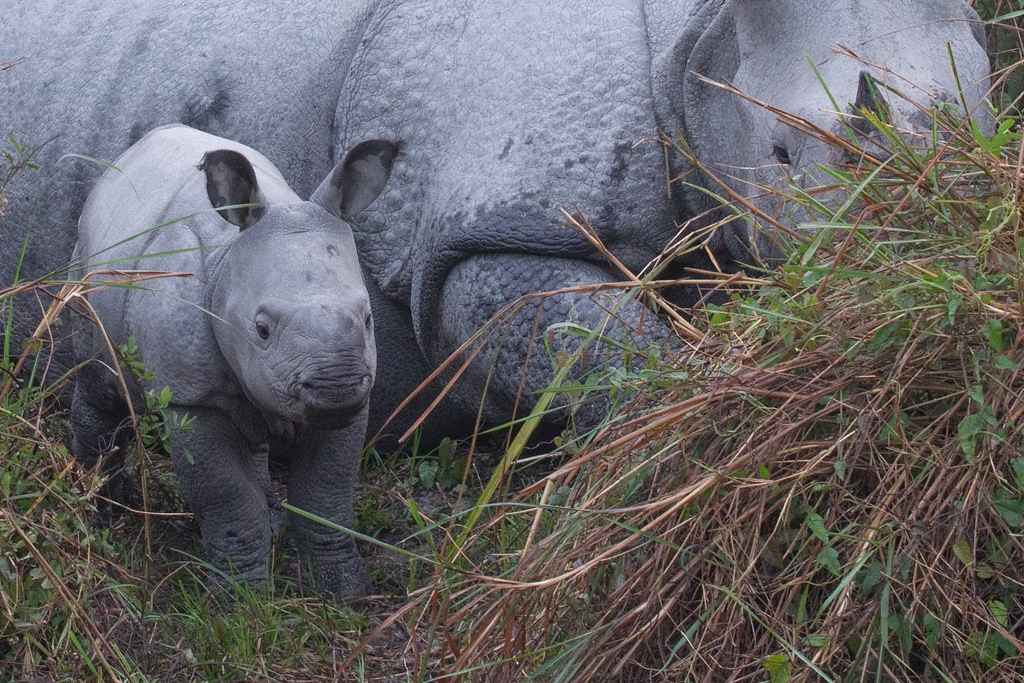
pixel 221 480
pixel 324 468
pixel 334 567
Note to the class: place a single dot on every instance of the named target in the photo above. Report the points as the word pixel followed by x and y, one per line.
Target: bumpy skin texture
pixel 765 48
pixel 268 342
pixel 507 113
pixel 549 107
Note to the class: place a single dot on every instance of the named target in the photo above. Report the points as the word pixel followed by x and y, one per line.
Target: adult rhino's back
pixel 507 113
pixel 91 78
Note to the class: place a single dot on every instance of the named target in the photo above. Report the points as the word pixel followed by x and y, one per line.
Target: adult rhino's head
pixel 292 312
pixel 788 54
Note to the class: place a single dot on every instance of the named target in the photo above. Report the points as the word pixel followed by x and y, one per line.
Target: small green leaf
pixel 801 608
pixel 816 524
pixel 445 450
pixel 993 331
pixel 933 630
pixel 892 429
pixel 1005 363
pixel 1010 507
pixel 839 466
pixel 962 549
pixel 778 667
pixel 871 577
pixel 952 306
pixel 1018 472
pixel 999 612
pixel 967 434
pixel 1004 134
pixel 903 631
pixel 817 640
pixel 829 559
pixel 1006 647
pixel 884 337
pixel 428 473
pixel 719 318
pixel 414 513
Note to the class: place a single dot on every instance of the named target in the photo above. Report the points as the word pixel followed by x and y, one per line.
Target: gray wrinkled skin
pixel 765 48
pixel 507 113
pixel 269 341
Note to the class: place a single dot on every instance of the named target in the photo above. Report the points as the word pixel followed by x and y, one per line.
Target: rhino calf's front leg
pixel 322 480
pixel 220 481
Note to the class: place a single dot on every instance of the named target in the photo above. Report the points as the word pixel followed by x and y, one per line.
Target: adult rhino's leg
pixel 401 368
pixel 322 481
pixel 100 429
pixel 221 483
pixel 518 363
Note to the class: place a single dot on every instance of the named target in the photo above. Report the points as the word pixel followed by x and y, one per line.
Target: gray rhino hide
pixel 507 114
pixel 266 348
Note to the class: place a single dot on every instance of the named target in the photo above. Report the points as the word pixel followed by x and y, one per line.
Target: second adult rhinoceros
pixel 507 113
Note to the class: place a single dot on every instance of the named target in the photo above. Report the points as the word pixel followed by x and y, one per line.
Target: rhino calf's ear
pixel 231 182
pixel 358 180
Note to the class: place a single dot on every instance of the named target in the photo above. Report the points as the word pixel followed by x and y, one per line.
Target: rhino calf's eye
pixel 782 154
pixel 263 330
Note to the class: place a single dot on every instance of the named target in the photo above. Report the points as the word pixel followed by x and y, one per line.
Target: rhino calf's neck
pixel 269 341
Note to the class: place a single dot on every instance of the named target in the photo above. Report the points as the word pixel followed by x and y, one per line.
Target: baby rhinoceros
pixel 267 346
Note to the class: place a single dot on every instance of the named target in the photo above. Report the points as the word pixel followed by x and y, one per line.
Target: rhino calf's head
pixel 292 315
pixel 825 62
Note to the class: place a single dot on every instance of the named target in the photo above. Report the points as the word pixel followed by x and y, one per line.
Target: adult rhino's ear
pixel 232 188
pixel 358 180
pixel 869 99
pixel 977 26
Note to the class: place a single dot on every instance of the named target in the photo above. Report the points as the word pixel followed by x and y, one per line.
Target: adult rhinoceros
pixel 506 112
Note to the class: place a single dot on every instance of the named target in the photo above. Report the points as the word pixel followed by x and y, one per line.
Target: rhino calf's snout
pixel 333 377
pixel 324 390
